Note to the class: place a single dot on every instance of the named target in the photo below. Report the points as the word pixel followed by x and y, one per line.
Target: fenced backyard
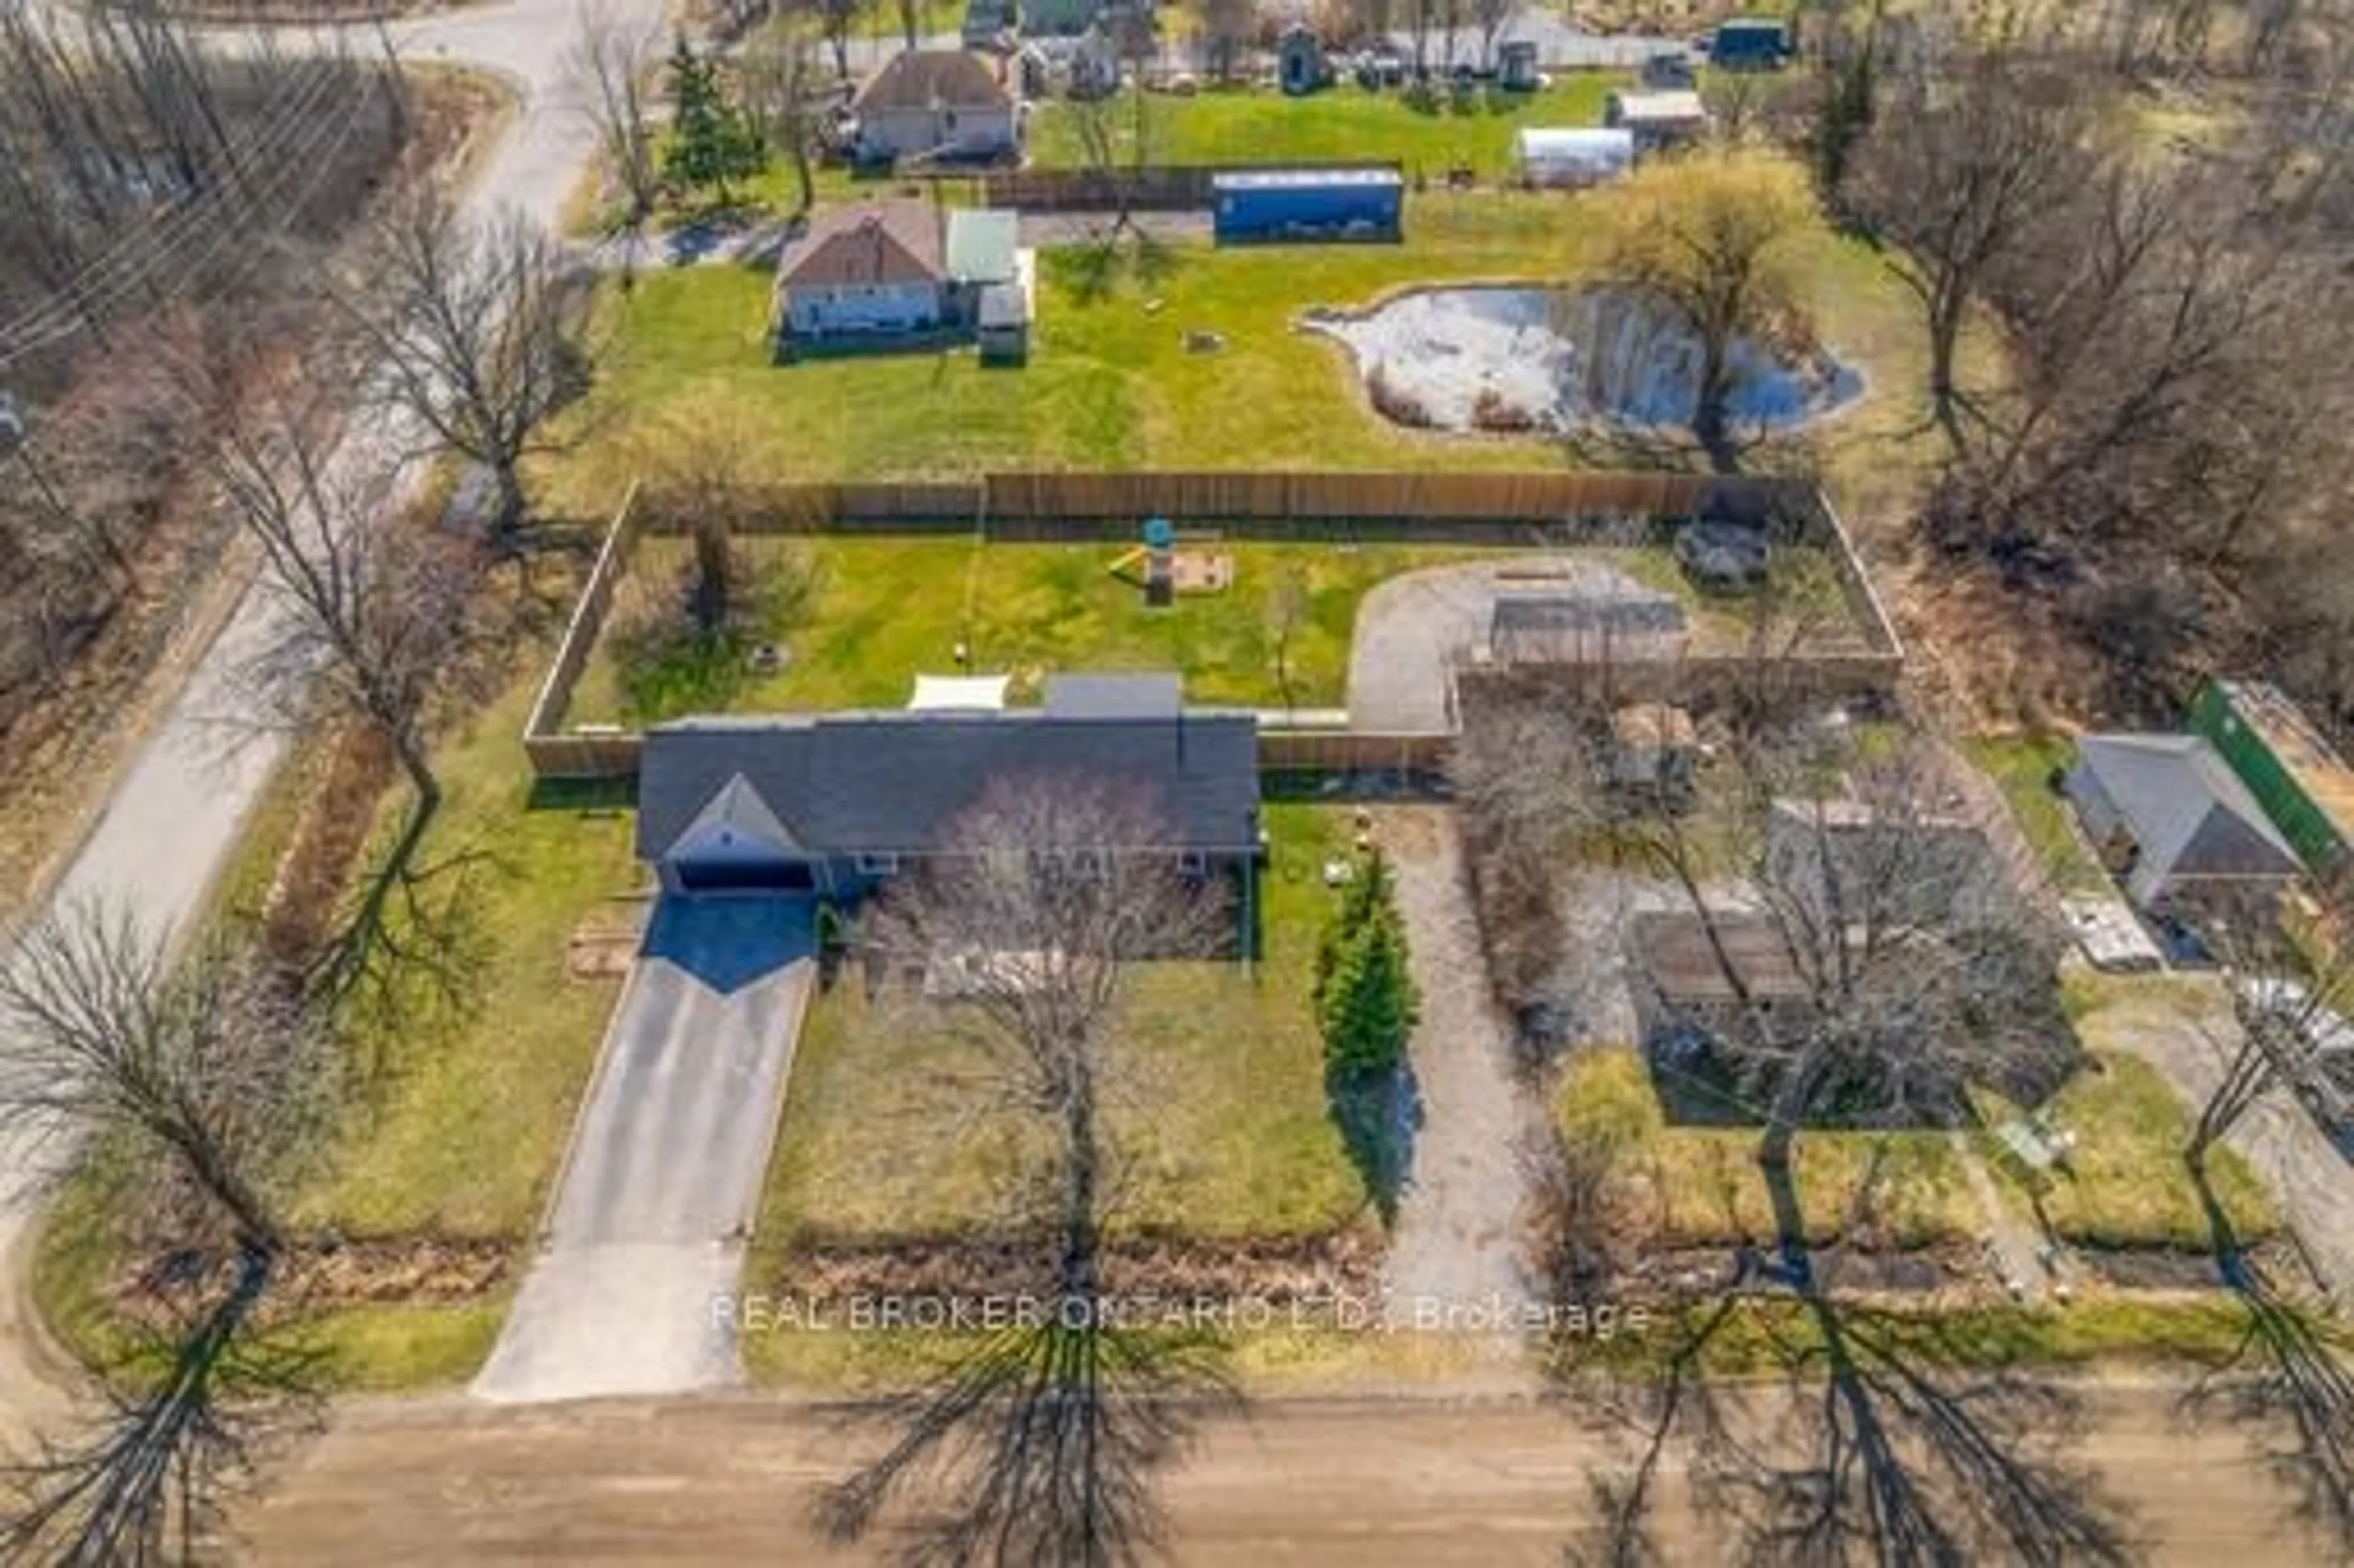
pixel 1004 567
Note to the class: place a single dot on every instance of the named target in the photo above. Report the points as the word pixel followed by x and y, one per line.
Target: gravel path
pixel 1458 1254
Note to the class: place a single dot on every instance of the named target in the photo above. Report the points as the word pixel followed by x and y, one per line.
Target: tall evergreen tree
pixel 712 140
pixel 1370 1004
pixel 1365 1002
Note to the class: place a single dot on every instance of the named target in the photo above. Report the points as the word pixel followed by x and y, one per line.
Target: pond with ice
pixel 1504 358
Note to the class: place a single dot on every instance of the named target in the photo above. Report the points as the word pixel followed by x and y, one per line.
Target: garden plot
pixel 1514 359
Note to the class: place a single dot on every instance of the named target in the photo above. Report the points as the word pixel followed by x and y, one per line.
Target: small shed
pixel 1516 65
pixel 1302 64
pixel 1251 205
pixel 1652 747
pixel 1000 327
pixel 1557 158
pixel 1657 119
pixel 2173 821
pixel 1750 43
pixel 1570 626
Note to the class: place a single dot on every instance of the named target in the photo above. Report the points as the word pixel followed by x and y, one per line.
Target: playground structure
pixel 1175 563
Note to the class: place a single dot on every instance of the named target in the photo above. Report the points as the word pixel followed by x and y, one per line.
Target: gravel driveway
pixel 659 1191
pixel 1460 1243
pixel 1413 631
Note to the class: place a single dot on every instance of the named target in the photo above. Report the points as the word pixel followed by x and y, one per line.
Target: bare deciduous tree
pixel 836 20
pixel 1961 169
pixel 1706 235
pixel 205 1067
pixel 607 66
pixel 1224 31
pixel 1040 1446
pixel 1922 968
pixel 1492 18
pixel 778 75
pixel 480 331
pixel 375 615
pixel 211 1073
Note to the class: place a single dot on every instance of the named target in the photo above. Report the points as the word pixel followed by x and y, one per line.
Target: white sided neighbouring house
pixel 936 103
pixel 873 270
pixel 901 272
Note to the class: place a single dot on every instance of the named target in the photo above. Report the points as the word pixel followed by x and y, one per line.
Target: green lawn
pixel 886 610
pixel 1222 1127
pixel 1110 384
pixel 2021 767
pixel 1772 1337
pixel 2124 1185
pixel 465 1126
pixel 1260 125
pixel 1683 1186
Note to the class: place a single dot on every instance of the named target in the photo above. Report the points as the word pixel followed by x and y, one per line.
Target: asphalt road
pixel 172 817
pixel 1356 1484
pixel 663 1182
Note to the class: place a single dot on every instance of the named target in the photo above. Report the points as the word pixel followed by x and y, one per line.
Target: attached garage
pixel 736 845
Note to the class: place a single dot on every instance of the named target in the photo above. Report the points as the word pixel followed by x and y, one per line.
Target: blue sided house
pixel 1274 206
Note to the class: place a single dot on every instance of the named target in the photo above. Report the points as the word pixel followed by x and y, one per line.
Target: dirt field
pixel 1354 1485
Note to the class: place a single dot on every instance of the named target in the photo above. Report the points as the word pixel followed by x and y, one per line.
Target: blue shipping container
pixel 1749 42
pixel 1260 205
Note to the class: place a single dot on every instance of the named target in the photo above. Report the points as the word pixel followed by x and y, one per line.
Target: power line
pixel 278 117
pixel 140 253
pixel 144 253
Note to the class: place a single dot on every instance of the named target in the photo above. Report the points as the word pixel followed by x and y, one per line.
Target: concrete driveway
pixel 659 1190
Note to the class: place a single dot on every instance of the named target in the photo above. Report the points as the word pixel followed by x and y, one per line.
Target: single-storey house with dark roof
pixel 2173 821
pixel 836 803
pixel 936 103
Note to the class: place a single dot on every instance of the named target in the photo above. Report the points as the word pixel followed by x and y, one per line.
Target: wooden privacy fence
pixel 1351 751
pixel 1502 508
pixel 554 752
pixel 1436 506
pixel 1177 188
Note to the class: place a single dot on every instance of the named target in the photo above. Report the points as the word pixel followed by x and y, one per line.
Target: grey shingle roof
pixel 888 782
pixel 737 812
pixel 1094 696
pixel 2189 813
